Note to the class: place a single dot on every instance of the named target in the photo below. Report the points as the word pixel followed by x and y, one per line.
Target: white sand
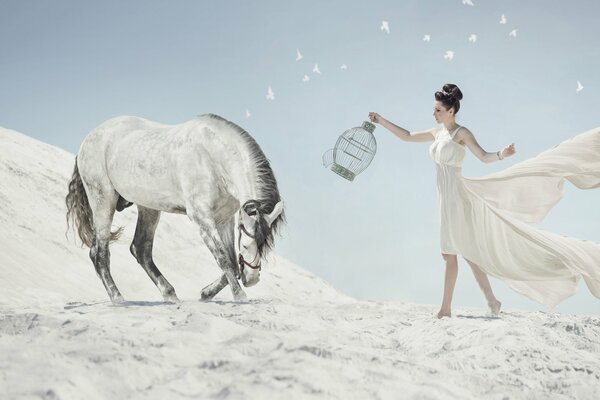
pixel 297 337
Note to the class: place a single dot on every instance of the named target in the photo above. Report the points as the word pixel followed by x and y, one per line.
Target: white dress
pixel 486 219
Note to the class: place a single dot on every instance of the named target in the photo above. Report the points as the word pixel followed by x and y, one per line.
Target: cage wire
pixel 353 151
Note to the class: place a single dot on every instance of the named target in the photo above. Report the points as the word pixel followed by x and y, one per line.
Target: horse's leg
pixel 218 248
pixel 210 291
pixel 103 200
pixel 141 248
pixel 226 232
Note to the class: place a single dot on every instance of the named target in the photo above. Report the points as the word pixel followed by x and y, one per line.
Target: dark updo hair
pixel 450 97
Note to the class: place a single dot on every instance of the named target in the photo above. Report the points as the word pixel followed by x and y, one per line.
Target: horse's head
pixel 255 238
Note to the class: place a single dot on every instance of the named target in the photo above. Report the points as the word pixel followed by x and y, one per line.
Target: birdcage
pixel 353 151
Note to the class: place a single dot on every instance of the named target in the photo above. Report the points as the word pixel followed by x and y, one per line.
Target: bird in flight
pixel 248 113
pixel 385 26
pixel 468 3
pixel 503 19
pixel 306 78
pixel 270 94
pixel 427 38
pixel 316 69
pixel 298 55
pixel 473 38
pixel 343 67
pixel 579 87
pixel 513 33
pixel 449 55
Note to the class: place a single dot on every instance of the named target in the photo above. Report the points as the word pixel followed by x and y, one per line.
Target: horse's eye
pixel 250 208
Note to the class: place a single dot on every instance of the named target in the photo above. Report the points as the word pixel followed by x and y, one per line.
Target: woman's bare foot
pixel 444 313
pixel 495 307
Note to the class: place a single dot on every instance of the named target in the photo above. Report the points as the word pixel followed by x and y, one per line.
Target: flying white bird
pixel 248 113
pixel 449 55
pixel 306 78
pixel 316 69
pixel 298 55
pixel 385 26
pixel 473 38
pixel 270 94
pixel 503 19
pixel 468 3
pixel 513 33
pixel 344 67
pixel 579 87
pixel 427 38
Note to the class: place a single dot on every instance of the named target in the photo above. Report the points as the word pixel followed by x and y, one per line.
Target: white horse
pixel 208 168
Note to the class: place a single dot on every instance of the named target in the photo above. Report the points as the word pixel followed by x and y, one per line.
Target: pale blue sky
pixel 66 66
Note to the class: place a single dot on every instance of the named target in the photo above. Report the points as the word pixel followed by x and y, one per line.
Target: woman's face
pixel 440 113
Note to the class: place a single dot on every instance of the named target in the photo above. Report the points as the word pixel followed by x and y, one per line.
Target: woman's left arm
pixel 469 139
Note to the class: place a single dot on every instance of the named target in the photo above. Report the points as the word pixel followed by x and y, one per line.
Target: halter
pixel 242 228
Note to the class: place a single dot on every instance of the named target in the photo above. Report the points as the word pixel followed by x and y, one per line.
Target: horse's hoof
pixel 206 296
pixel 172 299
pixel 117 299
pixel 170 296
pixel 241 296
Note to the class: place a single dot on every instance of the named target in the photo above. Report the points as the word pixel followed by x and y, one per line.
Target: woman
pixel 484 219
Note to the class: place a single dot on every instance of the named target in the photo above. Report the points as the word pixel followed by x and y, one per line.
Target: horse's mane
pixel 266 185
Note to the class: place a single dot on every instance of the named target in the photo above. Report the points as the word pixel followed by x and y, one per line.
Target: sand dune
pixel 296 337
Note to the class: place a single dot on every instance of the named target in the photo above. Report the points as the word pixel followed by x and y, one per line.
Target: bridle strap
pixel 243 229
pixel 241 261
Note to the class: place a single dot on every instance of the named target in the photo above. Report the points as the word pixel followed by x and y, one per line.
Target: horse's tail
pixel 79 212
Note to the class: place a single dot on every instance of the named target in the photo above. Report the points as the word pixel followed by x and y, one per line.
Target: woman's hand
pixel 374 117
pixel 508 150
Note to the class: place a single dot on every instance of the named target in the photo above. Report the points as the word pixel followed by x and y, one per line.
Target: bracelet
pixel 498 153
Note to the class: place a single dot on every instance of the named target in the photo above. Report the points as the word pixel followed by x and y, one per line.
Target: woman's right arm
pixel 421 136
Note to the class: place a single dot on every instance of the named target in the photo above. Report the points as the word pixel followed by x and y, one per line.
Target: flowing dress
pixel 487 219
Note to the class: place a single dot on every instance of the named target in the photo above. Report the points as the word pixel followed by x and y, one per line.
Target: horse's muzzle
pixel 251 282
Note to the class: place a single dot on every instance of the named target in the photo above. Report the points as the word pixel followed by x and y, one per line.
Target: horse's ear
pixel 275 213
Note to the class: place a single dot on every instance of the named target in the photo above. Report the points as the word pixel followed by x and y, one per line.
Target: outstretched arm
pixel 480 153
pixel 421 136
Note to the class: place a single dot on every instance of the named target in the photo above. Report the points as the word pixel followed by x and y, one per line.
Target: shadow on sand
pixel 484 317
pixel 74 305
pixel 233 302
